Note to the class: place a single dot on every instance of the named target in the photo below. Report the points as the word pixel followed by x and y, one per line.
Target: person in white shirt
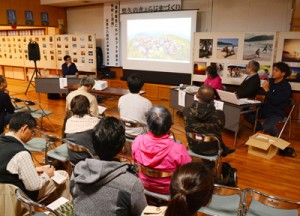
pixel 17 167
pixel 87 84
pixel 132 106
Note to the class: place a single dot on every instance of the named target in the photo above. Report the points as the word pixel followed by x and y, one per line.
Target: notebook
pixel 231 97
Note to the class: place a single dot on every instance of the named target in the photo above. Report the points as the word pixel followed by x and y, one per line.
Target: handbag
pixel 288 152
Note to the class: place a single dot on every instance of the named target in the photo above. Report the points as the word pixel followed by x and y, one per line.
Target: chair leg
pixel 290 127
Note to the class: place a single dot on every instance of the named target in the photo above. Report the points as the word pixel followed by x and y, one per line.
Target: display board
pixel 82 48
pixel 231 52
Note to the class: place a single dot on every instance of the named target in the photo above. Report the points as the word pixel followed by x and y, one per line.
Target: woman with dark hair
pixel 157 150
pixel 191 188
pixel 79 127
pixel 213 79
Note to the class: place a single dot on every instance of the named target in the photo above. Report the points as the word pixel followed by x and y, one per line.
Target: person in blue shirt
pixel 69 68
pixel 278 92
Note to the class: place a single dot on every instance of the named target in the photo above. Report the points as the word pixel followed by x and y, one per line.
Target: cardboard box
pixel 266 146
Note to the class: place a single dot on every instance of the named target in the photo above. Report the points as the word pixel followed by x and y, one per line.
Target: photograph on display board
pixel 295 75
pixel 291 50
pixel 264 72
pixel 258 47
pixel 199 68
pixel 206 48
pixel 236 71
pixel 227 48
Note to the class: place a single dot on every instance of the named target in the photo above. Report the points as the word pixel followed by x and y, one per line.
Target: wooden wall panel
pixel 54 13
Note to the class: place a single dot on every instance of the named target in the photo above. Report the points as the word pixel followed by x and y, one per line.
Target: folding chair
pixel 79 149
pixel 267 205
pixel 226 201
pixel 206 140
pixel 15 102
pixel 32 205
pixel 154 173
pixel 38 113
pixel 287 119
pixel 42 144
pixel 126 151
pixel 9 202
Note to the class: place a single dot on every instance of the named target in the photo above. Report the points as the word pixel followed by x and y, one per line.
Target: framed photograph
pixel 11 17
pixel 45 19
pixel 28 17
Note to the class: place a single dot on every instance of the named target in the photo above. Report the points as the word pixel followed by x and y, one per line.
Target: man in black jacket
pixel 278 92
pixel 251 84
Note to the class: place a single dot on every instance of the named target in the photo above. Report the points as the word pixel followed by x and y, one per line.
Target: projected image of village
pixel 166 40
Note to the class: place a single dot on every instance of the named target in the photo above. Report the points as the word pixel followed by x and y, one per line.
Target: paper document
pixel 58 178
pixel 63 82
pixel 219 105
pixel 181 98
pixel 60 201
pixel 101 109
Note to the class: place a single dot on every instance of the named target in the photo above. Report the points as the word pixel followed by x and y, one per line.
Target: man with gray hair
pixel 251 84
pixel 86 85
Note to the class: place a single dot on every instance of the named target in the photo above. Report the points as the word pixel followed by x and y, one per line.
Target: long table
pixel 51 85
pixel 232 112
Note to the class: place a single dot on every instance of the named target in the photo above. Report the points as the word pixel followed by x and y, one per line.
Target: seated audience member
pixel 107 187
pixel 6 107
pixel 132 106
pixel 213 79
pixel 69 68
pixel 278 92
pixel 251 84
pixel 203 118
pixel 191 188
pixel 79 128
pixel 157 150
pixel 86 85
pixel 16 165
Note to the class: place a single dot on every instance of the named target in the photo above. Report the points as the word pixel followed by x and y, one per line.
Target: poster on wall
pixel 28 18
pixel 288 51
pixel 111 49
pixel 205 48
pixel 258 47
pixel 81 48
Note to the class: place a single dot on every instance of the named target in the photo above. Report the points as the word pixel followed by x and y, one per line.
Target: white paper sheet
pixel 63 82
pixel 181 98
pixel 219 105
pixel 58 178
pixel 101 109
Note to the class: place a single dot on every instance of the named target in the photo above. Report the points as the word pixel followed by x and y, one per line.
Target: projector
pixel 100 85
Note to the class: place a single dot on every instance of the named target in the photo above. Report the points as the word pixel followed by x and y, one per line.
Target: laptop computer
pixel 231 97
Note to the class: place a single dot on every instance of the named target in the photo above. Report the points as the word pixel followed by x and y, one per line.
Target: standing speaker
pixel 34 51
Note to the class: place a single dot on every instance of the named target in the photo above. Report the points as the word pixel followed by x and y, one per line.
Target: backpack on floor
pixel 228 175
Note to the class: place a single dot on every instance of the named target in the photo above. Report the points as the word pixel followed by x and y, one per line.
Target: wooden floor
pixel 279 176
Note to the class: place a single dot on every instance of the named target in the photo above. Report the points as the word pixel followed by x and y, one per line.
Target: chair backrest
pixel 154 173
pixel 204 144
pixel 265 204
pixel 77 148
pixel 225 201
pixel 21 196
pixel 132 124
pixel 9 202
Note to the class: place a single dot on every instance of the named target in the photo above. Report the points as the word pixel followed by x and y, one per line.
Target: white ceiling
pixel 72 3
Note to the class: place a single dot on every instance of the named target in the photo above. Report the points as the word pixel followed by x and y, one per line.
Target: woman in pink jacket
pixel 213 79
pixel 157 150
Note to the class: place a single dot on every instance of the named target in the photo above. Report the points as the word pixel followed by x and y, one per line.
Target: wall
pixel 54 13
pixel 251 15
pixel 87 20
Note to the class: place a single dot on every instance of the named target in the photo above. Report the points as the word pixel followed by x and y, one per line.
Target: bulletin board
pixel 82 49
pixel 231 52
